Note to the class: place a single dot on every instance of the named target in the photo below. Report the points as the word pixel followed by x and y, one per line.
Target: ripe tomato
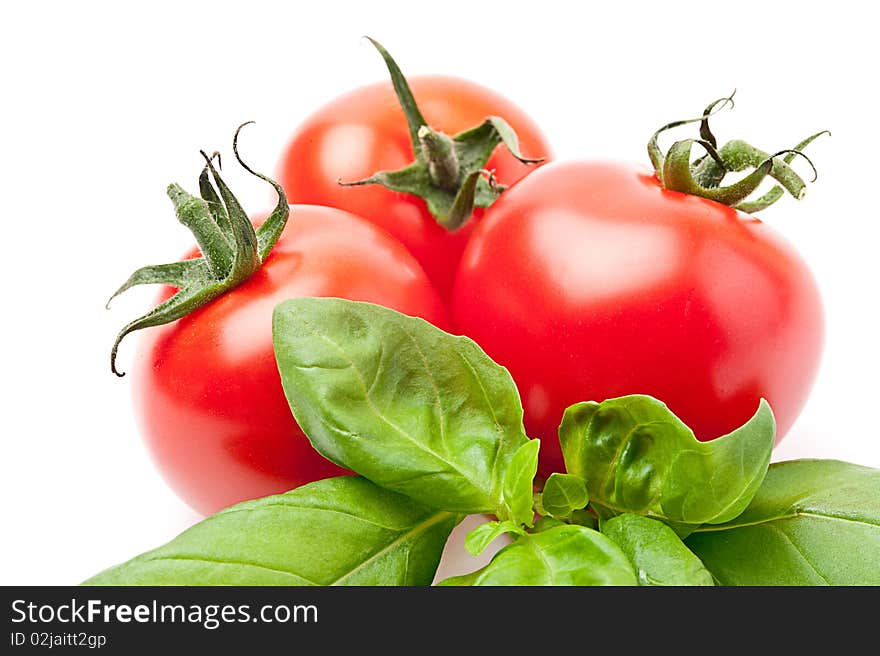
pixel 588 280
pixel 365 131
pixel 208 395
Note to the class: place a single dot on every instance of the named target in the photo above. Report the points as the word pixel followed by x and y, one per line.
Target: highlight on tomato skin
pixel 588 280
pixel 365 130
pixel 207 392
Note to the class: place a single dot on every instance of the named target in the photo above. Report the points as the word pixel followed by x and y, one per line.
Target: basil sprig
pixel 433 428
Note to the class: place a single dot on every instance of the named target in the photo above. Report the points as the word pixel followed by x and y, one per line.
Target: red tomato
pixel 207 390
pixel 365 131
pixel 589 281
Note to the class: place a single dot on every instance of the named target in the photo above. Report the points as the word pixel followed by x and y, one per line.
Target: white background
pixel 103 104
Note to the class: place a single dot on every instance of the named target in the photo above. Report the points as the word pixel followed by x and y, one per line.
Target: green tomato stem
pixel 232 250
pixel 448 173
pixel 704 177
pixel 439 153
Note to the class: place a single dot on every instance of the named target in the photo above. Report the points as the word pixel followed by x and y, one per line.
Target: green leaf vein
pixel 391 546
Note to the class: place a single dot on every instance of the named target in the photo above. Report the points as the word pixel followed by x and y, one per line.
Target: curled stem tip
pixel 209 159
pixel 235 147
pixel 704 176
pixel 798 153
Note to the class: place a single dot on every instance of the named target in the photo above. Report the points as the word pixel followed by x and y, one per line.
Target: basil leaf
pixel 658 554
pixel 563 494
pixel 636 456
pixel 337 531
pixel 561 555
pixel 403 403
pixel 482 536
pixel 518 480
pixel 813 522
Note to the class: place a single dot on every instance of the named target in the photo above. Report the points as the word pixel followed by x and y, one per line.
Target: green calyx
pixel 232 250
pixel 705 176
pixel 449 173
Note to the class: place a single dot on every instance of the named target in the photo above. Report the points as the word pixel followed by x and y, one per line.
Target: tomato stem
pixel 704 176
pixel 193 213
pixel 439 152
pixel 448 172
pixel 232 250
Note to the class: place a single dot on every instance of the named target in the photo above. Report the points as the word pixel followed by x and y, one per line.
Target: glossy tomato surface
pixel 365 131
pixel 589 281
pixel 207 390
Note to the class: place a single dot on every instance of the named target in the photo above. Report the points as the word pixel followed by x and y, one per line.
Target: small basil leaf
pixel 518 483
pixel 636 456
pixel 563 494
pixel 812 522
pixel 337 531
pixel 561 555
pixel 480 537
pixel 658 554
pixel 410 407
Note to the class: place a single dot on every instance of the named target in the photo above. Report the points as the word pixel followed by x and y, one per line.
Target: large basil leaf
pixel 636 456
pixel 562 555
pixel 403 403
pixel 813 522
pixel 658 554
pixel 338 531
